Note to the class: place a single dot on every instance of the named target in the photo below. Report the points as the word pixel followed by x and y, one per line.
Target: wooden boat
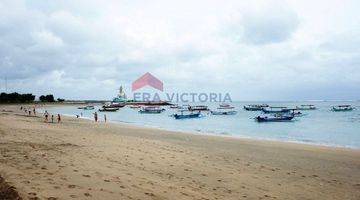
pixel 108 109
pixel 187 116
pixel 224 112
pixel 174 106
pixel 87 107
pixel 151 110
pixel 275 118
pixel 255 107
pixel 134 106
pixel 276 110
pixel 306 107
pixel 341 108
pixel 296 113
pixel 198 108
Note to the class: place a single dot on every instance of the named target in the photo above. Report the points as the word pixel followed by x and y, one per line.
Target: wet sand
pixel 81 159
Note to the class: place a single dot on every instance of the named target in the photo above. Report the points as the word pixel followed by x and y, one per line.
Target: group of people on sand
pixel 29 110
pixel 46 115
pixel 96 117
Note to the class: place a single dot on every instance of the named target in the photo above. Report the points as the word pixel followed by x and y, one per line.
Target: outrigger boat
pixel 276 110
pixel 106 109
pixel 198 108
pixel 255 107
pixel 87 107
pixel 340 108
pixel 306 107
pixel 134 106
pixel 296 113
pixel 274 118
pixel 175 106
pixel 187 116
pixel 151 110
pixel 224 110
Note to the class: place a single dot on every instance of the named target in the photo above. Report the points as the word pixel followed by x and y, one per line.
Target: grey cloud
pixel 269 27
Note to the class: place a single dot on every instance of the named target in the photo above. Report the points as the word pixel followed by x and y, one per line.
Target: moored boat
pixel 341 108
pixel 134 106
pixel 187 116
pixel 306 107
pixel 198 108
pixel 108 109
pixel 175 106
pixel 224 112
pixel 276 110
pixel 275 118
pixel 151 110
pixel 255 107
pixel 87 107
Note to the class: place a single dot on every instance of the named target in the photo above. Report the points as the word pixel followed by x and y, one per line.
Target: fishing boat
pixel 297 113
pixel 134 106
pixel 106 109
pixel 198 108
pixel 306 107
pixel 224 112
pixel 175 106
pixel 151 110
pixel 255 107
pixel 87 107
pixel 341 108
pixel 276 110
pixel 187 116
pixel 274 118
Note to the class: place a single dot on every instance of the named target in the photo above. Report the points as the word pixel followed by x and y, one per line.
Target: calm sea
pixel 320 126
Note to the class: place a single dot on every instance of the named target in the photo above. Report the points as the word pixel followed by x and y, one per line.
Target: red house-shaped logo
pixel 147 79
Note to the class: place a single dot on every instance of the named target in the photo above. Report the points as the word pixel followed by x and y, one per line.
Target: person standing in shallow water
pixel 52 118
pixel 96 116
pixel 46 114
pixel 105 118
pixel 58 118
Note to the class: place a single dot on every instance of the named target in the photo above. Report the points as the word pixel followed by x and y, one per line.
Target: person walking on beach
pixel 52 118
pixel 58 118
pixel 34 111
pixel 105 118
pixel 95 116
pixel 46 114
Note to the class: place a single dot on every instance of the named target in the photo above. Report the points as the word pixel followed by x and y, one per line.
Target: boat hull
pixel 224 112
pixel 189 116
pixel 274 119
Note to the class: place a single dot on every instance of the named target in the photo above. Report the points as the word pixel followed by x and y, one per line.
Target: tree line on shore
pixel 26 98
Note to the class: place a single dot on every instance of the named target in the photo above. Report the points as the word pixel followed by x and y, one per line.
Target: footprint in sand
pixel 87 194
pixel 52 198
pixel 71 186
pixel 86 175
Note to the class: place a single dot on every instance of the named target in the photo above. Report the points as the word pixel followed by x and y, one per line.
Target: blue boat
pixel 276 110
pixel 275 118
pixel 187 116
pixel 342 108
pixel 255 107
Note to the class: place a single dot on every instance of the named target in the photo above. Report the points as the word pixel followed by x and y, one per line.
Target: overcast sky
pixel 255 50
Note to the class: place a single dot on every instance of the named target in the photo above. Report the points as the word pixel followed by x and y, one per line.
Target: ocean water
pixel 321 126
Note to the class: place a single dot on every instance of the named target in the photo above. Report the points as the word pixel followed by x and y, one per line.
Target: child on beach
pixel 105 118
pixel 52 118
pixel 46 114
pixel 34 111
pixel 58 118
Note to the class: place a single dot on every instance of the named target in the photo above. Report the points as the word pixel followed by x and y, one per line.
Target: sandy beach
pixel 81 159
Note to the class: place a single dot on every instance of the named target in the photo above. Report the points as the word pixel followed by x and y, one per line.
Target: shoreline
pixel 236 137
pixel 81 159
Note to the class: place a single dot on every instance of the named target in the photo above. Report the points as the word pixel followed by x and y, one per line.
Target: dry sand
pixel 81 159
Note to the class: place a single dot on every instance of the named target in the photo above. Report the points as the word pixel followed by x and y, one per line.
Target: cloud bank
pixel 273 50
